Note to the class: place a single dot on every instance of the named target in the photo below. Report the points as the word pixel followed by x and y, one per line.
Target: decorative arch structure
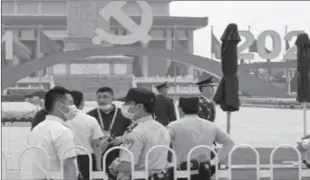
pixel 248 83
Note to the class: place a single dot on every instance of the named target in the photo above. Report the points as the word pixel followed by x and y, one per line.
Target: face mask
pixel 126 113
pixel 105 107
pixel 71 113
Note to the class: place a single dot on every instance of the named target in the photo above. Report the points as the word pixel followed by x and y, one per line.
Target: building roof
pixel 60 22
pixel 170 21
pixel 35 21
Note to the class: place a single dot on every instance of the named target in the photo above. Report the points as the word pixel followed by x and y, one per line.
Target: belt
pixel 196 167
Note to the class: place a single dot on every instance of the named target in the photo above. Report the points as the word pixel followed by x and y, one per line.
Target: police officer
pixel 191 131
pixel 141 136
pixel 207 105
pixel 164 107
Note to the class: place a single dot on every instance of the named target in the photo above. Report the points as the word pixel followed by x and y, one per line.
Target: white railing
pixel 180 89
pixel 158 79
pixel 223 174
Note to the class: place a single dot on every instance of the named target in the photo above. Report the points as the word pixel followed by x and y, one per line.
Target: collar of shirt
pixel 190 116
pixel 145 118
pixel 111 111
pixel 55 118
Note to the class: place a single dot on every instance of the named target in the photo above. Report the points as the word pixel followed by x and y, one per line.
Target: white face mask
pixel 72 112
pixel 105 107
pixel 126 113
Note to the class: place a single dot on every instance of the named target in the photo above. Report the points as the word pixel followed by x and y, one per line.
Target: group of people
pixel 144 120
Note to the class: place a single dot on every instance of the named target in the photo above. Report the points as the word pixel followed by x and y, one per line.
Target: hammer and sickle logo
pixel 138 32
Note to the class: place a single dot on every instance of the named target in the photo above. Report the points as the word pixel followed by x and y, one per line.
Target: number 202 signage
pixel 272 53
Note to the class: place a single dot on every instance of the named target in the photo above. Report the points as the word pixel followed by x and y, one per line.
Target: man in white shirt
pixel 191 131
pixel 54 137
pixel 87 134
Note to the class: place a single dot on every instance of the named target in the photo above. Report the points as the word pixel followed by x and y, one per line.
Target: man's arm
pixel 64 146
pixel 134 143
pixel 97 136
pixel 224 139
pixel 171 111
pixel 70 169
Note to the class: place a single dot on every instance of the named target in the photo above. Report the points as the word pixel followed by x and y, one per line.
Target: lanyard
pixel 112 122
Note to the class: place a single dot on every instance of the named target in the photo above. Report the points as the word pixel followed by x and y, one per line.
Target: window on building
pixel 7 7
pixel 54 7
pixel 59 69
pixel 157 33
pixel 28 7
pixel 120 68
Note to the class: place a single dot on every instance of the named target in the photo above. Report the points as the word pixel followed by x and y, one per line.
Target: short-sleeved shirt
pixel 146 134
pixel 191 131
pixel 120 123
pixel 55 137
pixel 85 129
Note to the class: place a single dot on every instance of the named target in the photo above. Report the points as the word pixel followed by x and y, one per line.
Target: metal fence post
pixel 272 158
pixel 230 160
pixel 211 150
pixel 174 160
pixel 34 147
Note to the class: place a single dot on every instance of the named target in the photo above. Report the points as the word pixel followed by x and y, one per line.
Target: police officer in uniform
pixel 206 104
pixel 141 136
pixel 164 107
pixel 191 131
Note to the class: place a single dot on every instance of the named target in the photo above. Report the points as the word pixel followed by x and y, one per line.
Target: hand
pixel 305 137
pixel 117 141
pixel 300 147
pixel 113 168
pixel 104 145
pixel 212 162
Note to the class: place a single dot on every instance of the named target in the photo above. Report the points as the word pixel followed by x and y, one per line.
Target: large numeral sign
pixel 291 53
pixel 7 38
pixel 260 46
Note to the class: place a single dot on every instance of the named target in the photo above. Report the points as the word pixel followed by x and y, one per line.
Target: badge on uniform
pixel 131 127
pixel 128 143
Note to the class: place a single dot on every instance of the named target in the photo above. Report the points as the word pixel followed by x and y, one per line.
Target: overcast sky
pixel 260 15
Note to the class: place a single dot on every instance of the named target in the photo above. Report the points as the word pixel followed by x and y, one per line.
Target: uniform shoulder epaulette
pixel 131 127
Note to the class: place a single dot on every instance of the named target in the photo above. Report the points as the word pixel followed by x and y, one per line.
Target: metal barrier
pixel 223 174
pixel 27 149
pixel 230 166
pixel 211 150
pixel 272 166
pixel 174 163
pixel 4 163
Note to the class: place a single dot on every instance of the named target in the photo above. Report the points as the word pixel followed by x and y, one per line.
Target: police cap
pixel 206 82
pixel 163 85
pixel 190 103
pixel 140 95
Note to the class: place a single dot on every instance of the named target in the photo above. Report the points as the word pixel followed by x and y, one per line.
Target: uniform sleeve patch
pixel 128 143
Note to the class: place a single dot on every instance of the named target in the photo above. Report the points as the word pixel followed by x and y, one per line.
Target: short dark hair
pixel 78 97
pixel 53 95
pixel 105 89
pixel 193 110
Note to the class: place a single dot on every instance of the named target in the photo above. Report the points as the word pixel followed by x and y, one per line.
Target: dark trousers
pixel 83 165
